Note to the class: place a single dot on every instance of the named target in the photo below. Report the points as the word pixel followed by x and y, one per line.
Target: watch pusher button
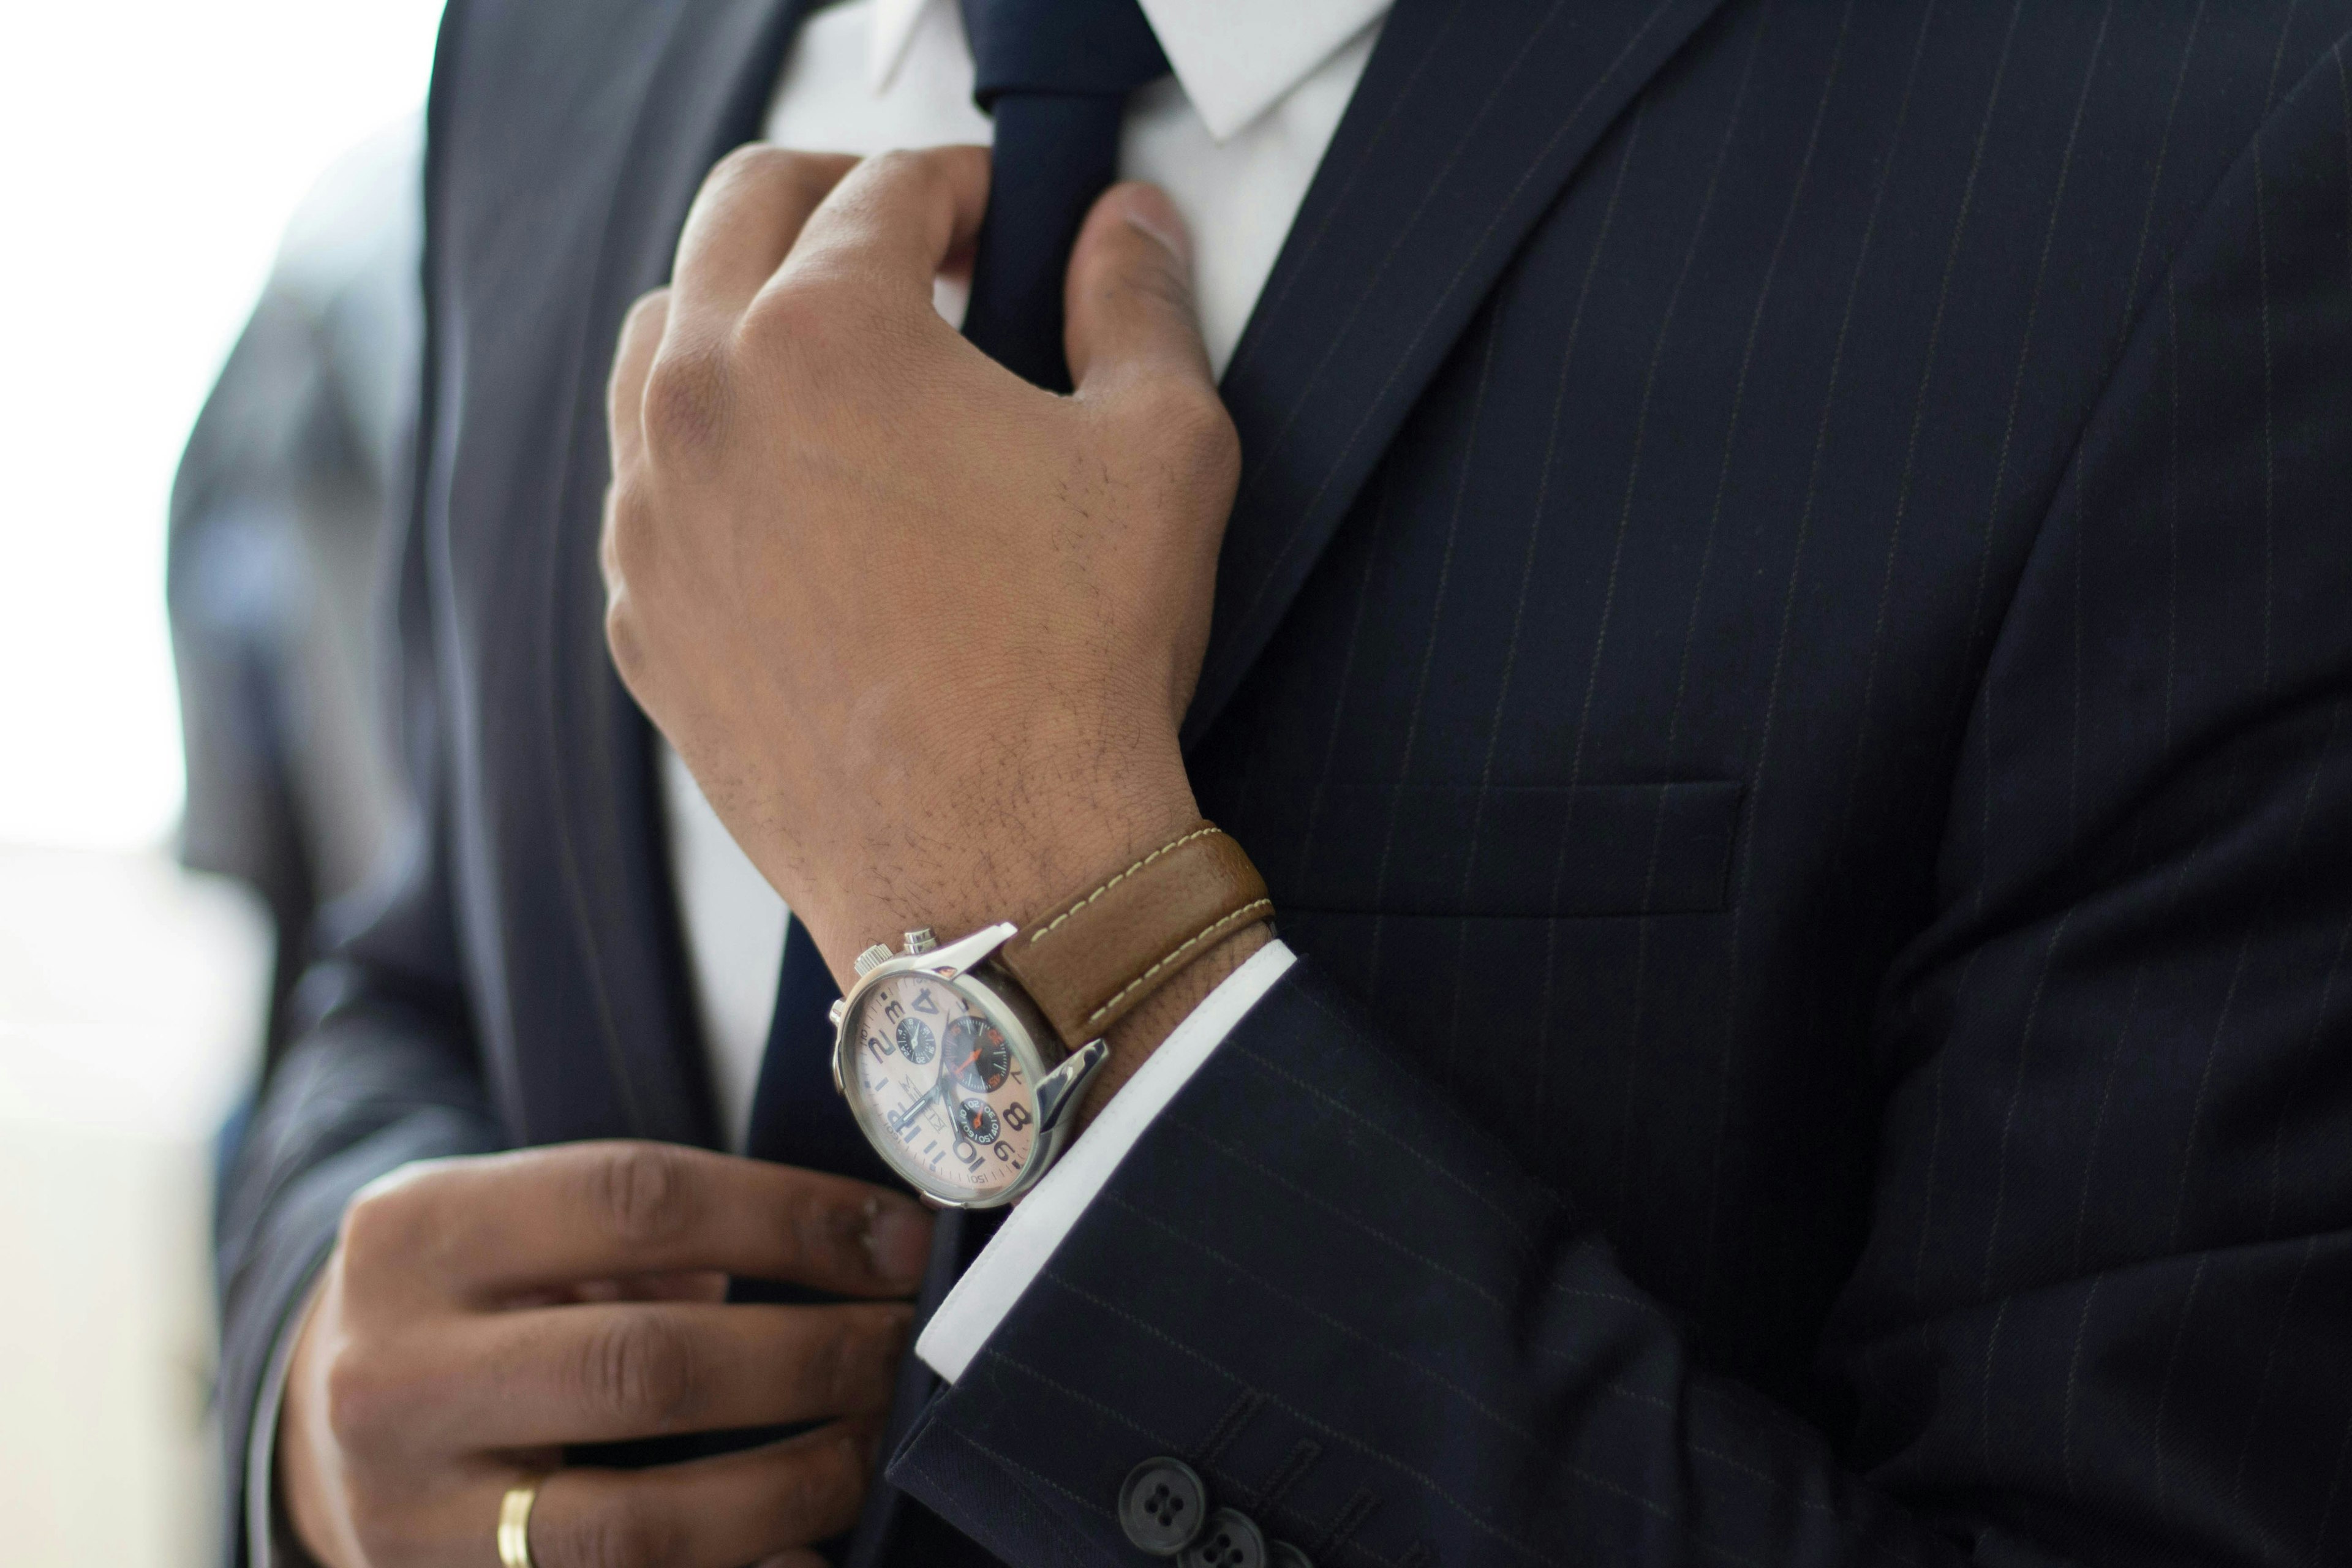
pixel 919 941
pixel 871 956
pixel 1230 1540
pixel 1162 1505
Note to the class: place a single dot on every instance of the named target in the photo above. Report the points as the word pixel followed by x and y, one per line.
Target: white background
pixel 150 154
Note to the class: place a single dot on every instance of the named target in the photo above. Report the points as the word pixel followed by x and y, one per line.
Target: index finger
pixel 893 222
pixel 491 1227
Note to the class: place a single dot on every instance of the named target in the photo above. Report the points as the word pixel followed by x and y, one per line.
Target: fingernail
pixel 897 1240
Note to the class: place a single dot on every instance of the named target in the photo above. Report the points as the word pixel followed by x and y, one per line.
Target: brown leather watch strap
pixel 1097 954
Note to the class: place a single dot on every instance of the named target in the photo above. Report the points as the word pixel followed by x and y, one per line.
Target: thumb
pixel 1127 304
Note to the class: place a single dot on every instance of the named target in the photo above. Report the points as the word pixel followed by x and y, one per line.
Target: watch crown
pixel 871 956
pixel 921 941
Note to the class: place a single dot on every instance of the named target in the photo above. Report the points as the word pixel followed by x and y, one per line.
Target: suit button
pixel 1161 1506
pixel 1282 1554
pixel 1230 1541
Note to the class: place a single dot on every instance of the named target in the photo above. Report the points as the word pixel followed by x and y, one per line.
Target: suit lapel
pixel 706 94
pixel 1470 117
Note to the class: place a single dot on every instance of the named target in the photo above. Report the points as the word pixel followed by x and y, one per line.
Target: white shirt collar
pixel 1234 58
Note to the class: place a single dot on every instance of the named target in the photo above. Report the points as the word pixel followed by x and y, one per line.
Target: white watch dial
pixel 943 1087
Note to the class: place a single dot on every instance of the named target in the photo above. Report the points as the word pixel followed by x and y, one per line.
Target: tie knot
pixel 1079 47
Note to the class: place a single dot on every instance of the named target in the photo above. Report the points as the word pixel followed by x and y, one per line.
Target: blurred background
pixel 155 158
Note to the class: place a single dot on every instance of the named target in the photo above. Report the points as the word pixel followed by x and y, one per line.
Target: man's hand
pixel 923 632
pixel 478 1315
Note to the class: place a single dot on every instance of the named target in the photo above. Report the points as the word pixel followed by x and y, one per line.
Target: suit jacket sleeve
pixel 2099 1313
pixel 380 1069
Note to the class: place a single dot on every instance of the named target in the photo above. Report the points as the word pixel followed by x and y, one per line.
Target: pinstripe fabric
pixel 1925 424
pixel 1782 650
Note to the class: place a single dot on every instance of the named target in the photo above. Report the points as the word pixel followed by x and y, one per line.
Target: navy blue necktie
pixel 1055 76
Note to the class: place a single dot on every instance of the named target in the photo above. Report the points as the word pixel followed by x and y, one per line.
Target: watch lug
pixel 833 1013
pixel 1059 1090
pixel 838 1087
pixel 967 952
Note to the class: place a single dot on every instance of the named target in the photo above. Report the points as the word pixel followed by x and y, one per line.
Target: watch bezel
pixel 1033 1044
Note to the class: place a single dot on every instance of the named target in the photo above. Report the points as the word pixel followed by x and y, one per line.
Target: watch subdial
pixel 976 1120
pixel 917 1043
pixel 976 1057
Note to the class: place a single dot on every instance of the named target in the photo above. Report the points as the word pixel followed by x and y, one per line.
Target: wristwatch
pixel 963 1063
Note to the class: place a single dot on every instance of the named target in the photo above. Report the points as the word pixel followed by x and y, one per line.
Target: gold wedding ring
pixel 514 1525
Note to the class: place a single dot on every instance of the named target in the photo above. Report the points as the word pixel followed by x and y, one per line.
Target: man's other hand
pixel 479 1315
pixel 923 632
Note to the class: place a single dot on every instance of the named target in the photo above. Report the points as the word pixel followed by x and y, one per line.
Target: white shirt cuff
pixel 1020 1250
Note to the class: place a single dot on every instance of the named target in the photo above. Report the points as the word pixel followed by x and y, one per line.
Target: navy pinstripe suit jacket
pixel 1783 647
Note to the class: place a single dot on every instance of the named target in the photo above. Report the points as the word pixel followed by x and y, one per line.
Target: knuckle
pixel 383 1225
pixel 791 318
pixel 616 1533
pixel 917 170
pixel 384 1527
pixel 631 538
pixel 640 1369
pixel 363 1408
pixel 369 1223
pixel 687 395
pixel 643 1194
pixel 803 180
pixel 769 162
pixel 753 160
pixel 824 1487
pixel 407 1226
pixel 647 314
pixel 1198 433
pixel 623 641
pixel 823 1235
pixel 812 331
pixel 774 174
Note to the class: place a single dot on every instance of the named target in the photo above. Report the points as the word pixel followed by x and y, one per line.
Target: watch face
pixel 941 1087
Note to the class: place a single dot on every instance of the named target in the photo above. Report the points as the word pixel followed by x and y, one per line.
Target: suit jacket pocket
pixel 1521 850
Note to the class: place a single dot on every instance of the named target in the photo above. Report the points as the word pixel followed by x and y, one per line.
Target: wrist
pixel 1013 871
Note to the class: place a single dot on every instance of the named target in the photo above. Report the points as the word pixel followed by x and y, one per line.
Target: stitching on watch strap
pixel 1058 921
pixel 1243 916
